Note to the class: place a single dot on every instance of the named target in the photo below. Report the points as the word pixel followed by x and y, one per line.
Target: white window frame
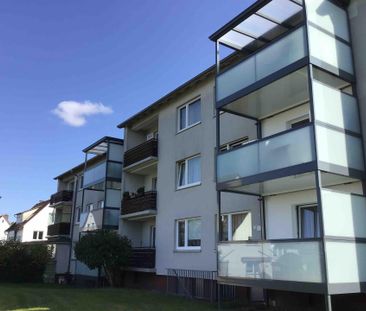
pixel 186 184
pixel 234 144
pixel 185 247
pixel 100 204
pixel 179 129
pixel 230 223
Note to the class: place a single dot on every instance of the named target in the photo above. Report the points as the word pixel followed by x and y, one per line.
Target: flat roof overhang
pixel 101 145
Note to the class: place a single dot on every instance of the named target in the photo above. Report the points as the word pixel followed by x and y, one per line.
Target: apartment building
pixel 302 82
pixel 4 225
pixel 30 225
pixel 88 198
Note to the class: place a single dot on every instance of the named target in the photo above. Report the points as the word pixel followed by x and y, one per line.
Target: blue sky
pixel 123 55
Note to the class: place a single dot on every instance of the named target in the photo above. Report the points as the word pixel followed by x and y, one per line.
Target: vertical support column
pixel 105 184
pixel 217 56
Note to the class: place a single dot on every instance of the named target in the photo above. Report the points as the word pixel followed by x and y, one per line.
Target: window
pixel 189 115
pixel 234 144
pixel 299 122
pixel 189 172
pixel 37 235
pixel 78 209
pixel 88 208
pixel 101 204
pixel 236 227
pixel 188 234
pixel 308 221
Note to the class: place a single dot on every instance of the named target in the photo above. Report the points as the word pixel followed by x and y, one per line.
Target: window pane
pixel 194 170
pixel 181 230
pixel 224 228
pixel 194 112
pixel 40 235
pixel 34 235
pixel 182 118
pixel 241 226
pixel 194 232
pixel 181 174
pixel 308 222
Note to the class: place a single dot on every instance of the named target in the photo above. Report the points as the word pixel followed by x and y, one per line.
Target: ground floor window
pixel 236 226
pixel 188 232
pixel 37 235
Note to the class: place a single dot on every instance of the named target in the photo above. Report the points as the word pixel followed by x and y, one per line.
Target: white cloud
pixel 74 113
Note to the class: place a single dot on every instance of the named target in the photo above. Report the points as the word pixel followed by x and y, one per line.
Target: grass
pixel 42 297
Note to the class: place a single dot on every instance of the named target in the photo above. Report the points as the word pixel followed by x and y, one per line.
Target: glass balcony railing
pixel 278 55
pixel 294 260
pixel 293 147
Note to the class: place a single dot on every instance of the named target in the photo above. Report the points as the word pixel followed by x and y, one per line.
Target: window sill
pixel 188 127
pixel 189 186
pixel 188 250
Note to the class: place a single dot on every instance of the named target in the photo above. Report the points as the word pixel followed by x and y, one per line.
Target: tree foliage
pixel 104 249
pixel 21 262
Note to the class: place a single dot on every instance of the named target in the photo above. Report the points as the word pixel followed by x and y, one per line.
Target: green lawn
pixel 52 297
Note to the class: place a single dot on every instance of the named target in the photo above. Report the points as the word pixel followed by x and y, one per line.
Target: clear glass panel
pixel 94 174
pixel 338 148
pixel 194 170
pixel 344 214
pixel 113 198
pixel 328 16
pixel 281 151
pixel 286 261
pixel 114 170
pixel 281 54
pixel 346 262
pixel 280 10
pixel 194 232
pixel 181 233
pixel 182 118
pixel 256 26
pixel 194 112
pixel 335 108
pixel 115 152
pixel 330 50
pixel 111 217
pixel 241 226
pixel 235 39
pixel 309 221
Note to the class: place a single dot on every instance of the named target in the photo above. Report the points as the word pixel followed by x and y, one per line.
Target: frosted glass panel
pixel 329 50
pixel 286 261
pixel 94 174
pixel 344 214
pixel 281 151
pixel 328 16
pixel 111 217
pixel 114 170
pixel 281 54
pixel 115 152
pixel 338 148
pixel 236 78
pixel 113 198
pixel 335 107
pixel 346 262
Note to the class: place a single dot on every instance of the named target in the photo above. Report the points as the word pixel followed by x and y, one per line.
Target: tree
pixel 104 249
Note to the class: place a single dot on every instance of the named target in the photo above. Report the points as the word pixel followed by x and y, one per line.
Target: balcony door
pixel 308 221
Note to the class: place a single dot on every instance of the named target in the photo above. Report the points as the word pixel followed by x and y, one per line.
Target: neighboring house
pixel 4 225
pixel 251 177
pixel 31 225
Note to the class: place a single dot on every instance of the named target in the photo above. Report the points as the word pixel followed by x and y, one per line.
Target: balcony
pixel 273 264
pixel 248 75
pixel 61 197
pixel 141 206
pixel 62 228
pixel 140 159
pixel 142 258
pixel 284 154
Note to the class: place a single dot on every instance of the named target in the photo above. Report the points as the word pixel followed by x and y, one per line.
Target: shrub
pixel 104 249
pixel 23 262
